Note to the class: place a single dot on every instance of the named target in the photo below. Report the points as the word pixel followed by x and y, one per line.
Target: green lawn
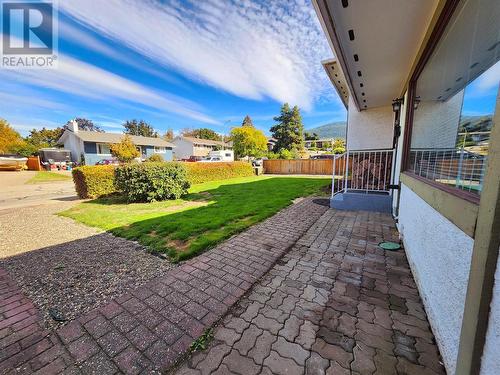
pixel 210 213
pixel 46 176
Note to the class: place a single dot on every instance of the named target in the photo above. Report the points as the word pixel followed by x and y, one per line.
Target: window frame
pixel 160 150
pixel 433 41
pixel 98 148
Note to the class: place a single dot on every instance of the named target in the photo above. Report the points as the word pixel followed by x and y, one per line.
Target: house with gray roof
pixel 91 147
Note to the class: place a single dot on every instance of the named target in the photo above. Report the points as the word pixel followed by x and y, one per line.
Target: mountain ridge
pixel 330 130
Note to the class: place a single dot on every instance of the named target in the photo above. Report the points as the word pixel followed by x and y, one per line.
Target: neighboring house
pixel 404 70
pixel 185 147
pixel 271 142
pixel 91 147
pixel 318 143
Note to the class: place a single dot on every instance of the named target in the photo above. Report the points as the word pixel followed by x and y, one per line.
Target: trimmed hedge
pixel 204 172
pixel 94 181
pixel 148 182
pixel 100 180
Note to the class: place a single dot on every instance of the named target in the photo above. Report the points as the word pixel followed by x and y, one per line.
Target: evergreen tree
pixel 247 121
pixel 289 130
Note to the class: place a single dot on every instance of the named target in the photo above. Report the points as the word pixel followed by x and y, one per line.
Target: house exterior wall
pixel 435 123
pixel 369 129
pixel 167 155
pixel 433 244
pixel 183 149
pixel 75 145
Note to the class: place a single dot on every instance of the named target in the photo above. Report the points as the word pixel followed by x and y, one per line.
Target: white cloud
pixel 24 127
pixel 489 79
pixel 78 78
pixel 84 38
pixel 253 50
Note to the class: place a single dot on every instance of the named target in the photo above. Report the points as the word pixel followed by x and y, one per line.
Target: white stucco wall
pixel 439 254
pixel 435 124
pixel 369 129
pixel 491 352
pixel 75 145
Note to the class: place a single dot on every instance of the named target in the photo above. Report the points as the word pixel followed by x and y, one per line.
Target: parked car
pixel 322 157
pixel 107 162
pixel 223 155
pixel 211 160
pixel 259 162
pixel 193 158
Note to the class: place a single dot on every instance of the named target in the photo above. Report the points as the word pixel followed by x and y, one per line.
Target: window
pixel 455 98
pixel 160 150
pixel 103 149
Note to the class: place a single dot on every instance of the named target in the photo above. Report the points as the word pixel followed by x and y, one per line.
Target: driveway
pixel 15 192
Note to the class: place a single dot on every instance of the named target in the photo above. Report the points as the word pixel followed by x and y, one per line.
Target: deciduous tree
pixel 86 125
pixel 169 135
pixel 311 136
pixel 203 133
pixel 44 137
pixel 248 141
pixel 9 138
pixel 125 151
pixel 141 128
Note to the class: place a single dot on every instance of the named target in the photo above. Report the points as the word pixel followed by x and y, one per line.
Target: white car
pixel 211 160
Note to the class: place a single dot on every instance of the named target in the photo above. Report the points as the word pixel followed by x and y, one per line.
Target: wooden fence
pixel 299 166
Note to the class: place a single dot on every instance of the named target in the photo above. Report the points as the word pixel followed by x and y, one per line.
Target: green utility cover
pixel 391 246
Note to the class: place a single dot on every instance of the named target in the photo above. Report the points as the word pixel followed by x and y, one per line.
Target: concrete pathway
pixel 150 328
pixel 335 304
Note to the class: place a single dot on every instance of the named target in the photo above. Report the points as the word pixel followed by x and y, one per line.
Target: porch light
pixel 396 104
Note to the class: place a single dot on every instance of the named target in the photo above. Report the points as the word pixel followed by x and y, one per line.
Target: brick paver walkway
pixel 335 304
pixel 148 329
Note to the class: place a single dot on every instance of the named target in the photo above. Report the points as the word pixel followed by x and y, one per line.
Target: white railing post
pixel 333 175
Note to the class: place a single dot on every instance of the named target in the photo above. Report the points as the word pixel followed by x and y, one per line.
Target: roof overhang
pixel 375 43
pixel 336 75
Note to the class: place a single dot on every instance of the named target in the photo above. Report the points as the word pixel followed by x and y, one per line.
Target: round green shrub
pixel 155 158
pixel 149 182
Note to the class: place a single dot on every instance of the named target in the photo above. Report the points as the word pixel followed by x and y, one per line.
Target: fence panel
pixel 299 166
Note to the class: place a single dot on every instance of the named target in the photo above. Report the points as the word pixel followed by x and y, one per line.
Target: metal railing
pixel 362 171
pixel 455 167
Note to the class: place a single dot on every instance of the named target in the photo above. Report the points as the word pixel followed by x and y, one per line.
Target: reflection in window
pixel 103 149
pixel 455 100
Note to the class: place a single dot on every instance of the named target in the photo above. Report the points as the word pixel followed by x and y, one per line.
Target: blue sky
pixel 481 94
pixel 177 64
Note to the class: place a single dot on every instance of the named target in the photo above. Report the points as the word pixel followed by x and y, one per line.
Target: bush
pixel 203 172
pixel 148 182
pixel 94 181
pixel 155 158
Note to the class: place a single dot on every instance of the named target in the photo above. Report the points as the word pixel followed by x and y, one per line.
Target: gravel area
pixel 68 267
